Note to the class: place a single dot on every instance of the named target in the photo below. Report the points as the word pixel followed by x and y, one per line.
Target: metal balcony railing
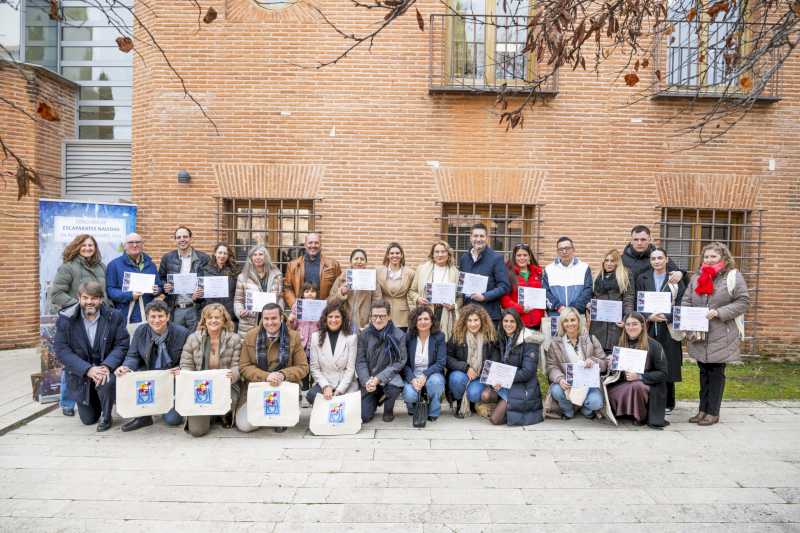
pixel 483 53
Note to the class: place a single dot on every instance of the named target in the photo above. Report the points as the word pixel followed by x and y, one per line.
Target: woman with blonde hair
pixel 395 279
pixel 259 274
pixel 472 342
pixel 439 268
pixel 613 282
pixel 213 346
pixel 721 288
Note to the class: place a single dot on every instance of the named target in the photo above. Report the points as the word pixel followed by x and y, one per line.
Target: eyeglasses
pixel 379 317
pixel 134 243
pixel 564 249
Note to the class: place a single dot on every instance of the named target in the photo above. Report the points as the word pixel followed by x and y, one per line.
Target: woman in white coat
pixel 333 355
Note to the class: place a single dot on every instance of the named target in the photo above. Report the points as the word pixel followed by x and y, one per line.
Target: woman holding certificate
pixel 259 275
pixel 520 404
pixel 613 283
pixel 395 279
pixel 439 269
pixel 639 393
pixel 213 346
pixel 356 291
pixel 656 279
pixel 524 272
pixel 222 264
pixel 572 357
pixel 472 342
pixel 721 289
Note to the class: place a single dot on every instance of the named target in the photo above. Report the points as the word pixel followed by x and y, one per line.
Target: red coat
pixel 532 318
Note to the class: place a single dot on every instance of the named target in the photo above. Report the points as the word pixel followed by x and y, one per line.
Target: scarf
pixel 162 361
pixel 576 395
pixel 474 361
pixel 391 350
pixel 283 349
pixel 705 282
pixel 606 283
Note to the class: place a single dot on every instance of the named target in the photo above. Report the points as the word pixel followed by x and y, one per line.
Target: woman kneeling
pixel 427 355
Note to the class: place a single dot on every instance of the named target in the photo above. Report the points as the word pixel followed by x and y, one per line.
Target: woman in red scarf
pixel 722 289
pixel 523 271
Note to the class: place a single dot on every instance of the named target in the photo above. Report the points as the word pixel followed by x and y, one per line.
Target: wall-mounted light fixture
pixel 184 176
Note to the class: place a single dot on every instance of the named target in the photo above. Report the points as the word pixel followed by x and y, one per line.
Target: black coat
pixel 525 396
pixel 141 349
pixel 372 359
pixel 655 376
pixel 437 355
pixel 637 263
pixel 608 332
pixel 210 269
pixel 658 330
pixel 72 348
pixel 171 264
pixel 457 354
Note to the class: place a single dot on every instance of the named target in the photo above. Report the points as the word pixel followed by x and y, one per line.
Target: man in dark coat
pixel 156 345
pixel 91 340
pixel 636 256
pixel 481 259
pixel 183 260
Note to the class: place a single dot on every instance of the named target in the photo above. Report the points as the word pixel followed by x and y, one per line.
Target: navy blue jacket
pixel 115 273
pixel 141 349
pixel 490 264
pixel 72 348
pixel 437 355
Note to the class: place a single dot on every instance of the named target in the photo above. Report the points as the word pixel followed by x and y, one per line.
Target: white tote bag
pixel 273 406
pixel 202 393
pixel 145 393
pixel 341 415
pixel 133 327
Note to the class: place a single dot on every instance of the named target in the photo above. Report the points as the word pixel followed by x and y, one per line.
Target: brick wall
pixel 39 143
pixel 371 125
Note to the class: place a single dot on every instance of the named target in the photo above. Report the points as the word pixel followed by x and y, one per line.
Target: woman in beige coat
pixel 333 355
pixel 213 346
pixel 439 268
pixel 395 279
pixel 258 274
pixel 356 304
pixel 722 289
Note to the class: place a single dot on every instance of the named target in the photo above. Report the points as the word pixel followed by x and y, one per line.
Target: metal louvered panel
pixel 97 171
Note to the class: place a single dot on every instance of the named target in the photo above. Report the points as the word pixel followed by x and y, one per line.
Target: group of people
pixel 392 341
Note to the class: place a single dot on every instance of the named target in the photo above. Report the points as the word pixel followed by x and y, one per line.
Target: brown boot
pixel 698 417
pixel 708 420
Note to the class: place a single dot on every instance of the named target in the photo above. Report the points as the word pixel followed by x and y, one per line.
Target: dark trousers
pixel 312 393
pixel 670 395
pixel 712 385
pixel 369 400
pixel 101 401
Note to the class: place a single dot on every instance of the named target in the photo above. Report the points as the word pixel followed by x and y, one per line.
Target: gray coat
pixel 64 290
pixel 721 343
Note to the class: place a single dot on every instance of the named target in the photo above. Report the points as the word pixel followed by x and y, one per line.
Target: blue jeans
pixel 593 401
pixel 172 418
pixel 64 402
pixel 435 387
pixel 459 383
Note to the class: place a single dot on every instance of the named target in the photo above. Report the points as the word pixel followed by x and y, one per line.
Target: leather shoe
pixel 388 417
pixel 104 425
pixel 432 418
pixel 708 420
pixel 137 423
pixel 68 411
pixel 698 417
pixel 280 429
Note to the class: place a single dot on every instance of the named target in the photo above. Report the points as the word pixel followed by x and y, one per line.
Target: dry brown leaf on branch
pixel 645 62
pixel 796 8
pixel 746 83
pixel 690 16
pixel 55 10
pixel 125 44
pixel 636 66
pixel 717 7
pixel 420 21
pixel 669 30
pixel 631 79
pixel 211 15
pixel 46 112
pixel 658 75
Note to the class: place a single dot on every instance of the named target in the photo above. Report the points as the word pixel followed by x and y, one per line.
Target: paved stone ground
pixel 16 400
pixel 741 475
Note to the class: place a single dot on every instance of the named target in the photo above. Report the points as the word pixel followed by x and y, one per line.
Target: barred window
pixel 280 225
pixel 508 224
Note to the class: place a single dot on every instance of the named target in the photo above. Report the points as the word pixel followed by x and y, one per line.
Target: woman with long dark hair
pixel 333 355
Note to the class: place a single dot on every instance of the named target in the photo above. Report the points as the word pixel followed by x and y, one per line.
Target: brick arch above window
pixel 251 11
pixel 488 185
pixel 709 191
pixel 269 181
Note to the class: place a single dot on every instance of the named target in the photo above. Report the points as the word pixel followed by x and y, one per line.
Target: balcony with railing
pixel 483 54
pixel 703 59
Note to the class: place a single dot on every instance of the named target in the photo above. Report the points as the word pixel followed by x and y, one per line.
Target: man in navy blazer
pixel 481 259
pixel 91 340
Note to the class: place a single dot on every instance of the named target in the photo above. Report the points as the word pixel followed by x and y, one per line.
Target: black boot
pixel 458 414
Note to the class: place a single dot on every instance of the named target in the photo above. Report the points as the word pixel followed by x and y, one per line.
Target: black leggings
pixel 712 385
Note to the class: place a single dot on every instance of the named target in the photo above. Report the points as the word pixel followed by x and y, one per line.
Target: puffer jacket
pixel 63 292
pixel 525 396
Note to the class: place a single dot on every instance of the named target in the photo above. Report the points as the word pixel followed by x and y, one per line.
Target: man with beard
pixel 91 340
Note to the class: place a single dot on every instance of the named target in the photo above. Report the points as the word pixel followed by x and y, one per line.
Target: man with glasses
pixel 380 358
pixel 133 260
pixel 183 260
pixel 568 280
pixel 482 260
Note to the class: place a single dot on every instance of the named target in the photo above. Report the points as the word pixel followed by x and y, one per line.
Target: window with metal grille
pixel 280 225
pixel 508 224
pixel 684 232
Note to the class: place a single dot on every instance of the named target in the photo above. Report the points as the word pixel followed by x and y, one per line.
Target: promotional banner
pixel 60 222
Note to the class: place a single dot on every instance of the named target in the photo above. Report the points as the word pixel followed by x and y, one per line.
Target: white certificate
pixel 273 406
pixel 256 300
pixel 472 283
pixel 145 393
pixel 654 302
pixel 214 286
pixel 580 376
pixel 690 318
pixel 206 392
pixel 628 360
pixel 495 373
pixel 310 309
pixel 606 310
pixel 441 293
pixel 532 298
pixel 183 283
pixel 138 282
pixel 361 279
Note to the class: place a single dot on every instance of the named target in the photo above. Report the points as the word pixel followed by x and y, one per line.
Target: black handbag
pixel 421 410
